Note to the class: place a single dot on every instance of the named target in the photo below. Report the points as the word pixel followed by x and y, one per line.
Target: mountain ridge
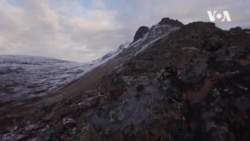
pixel 179 82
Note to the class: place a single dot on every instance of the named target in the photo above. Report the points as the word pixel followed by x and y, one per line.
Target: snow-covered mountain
pixel 23 77
pixel 26 76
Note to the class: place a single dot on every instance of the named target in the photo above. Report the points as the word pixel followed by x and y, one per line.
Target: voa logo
pixel 221 16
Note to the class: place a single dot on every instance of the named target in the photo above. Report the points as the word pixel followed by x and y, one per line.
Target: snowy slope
pixel 23 77
pixel 26 76
pixel 155 33
pixel 111 54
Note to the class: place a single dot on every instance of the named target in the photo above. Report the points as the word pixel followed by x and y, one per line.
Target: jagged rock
pixel 235 29
pixel 246 31
pixel 140 33
pixel 168 21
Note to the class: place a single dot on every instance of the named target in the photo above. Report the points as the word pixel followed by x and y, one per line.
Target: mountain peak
pixel 168 21
pixel 142 30
pixel 160 27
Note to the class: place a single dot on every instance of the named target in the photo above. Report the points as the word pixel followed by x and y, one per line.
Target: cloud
pixel 2 40
pixel 94 22
pixel 98 3
pixel 38 28
pixel 83 30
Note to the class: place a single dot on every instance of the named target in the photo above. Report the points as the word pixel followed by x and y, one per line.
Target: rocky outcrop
pixel 162 26
pixel 189 93
pixel 140 33
pixel 168 21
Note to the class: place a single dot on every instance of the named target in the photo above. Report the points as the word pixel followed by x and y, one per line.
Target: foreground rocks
pixel 200 91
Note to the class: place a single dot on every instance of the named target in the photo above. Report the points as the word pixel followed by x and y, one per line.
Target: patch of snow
pixel 68 120
pixel 155 33
pixel 24 133
pixel 31 127
pixel 111 55
pixel 154 40
pixel 12 137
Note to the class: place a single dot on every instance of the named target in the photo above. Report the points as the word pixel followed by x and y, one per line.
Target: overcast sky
pixel 83 30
